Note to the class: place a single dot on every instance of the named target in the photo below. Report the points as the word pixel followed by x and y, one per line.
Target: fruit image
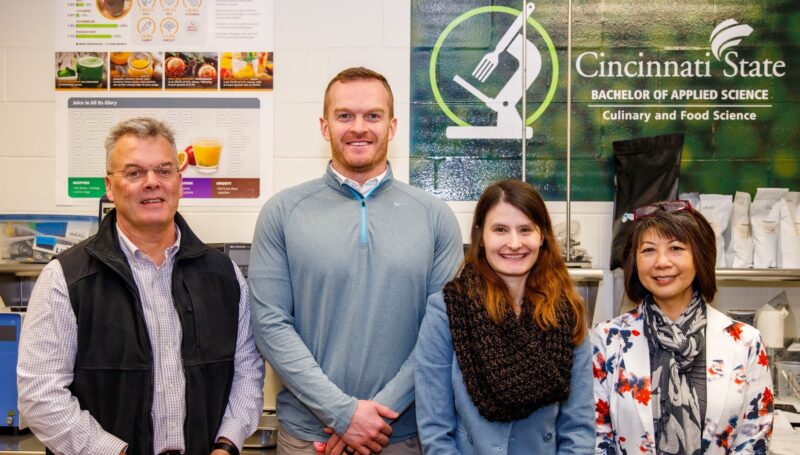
pixel 190 155
pixel 207 70
pixel 243 70
pixel 225 74
pixel 175 67
pixel 119 58
pixel 225 61
pixel 183 160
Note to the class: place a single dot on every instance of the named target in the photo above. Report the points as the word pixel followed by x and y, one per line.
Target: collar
pixel 332 180
pixel 131 249
pixel 106 243
pixel 717 320
pixel 364 189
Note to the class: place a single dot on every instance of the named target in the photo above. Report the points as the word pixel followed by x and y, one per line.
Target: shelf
pixel 758 274
pixel 587 275
pixel 577 274
pixel 21 268
pixel 764 275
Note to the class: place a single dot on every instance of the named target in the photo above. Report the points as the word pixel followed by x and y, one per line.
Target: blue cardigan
pixel 449 423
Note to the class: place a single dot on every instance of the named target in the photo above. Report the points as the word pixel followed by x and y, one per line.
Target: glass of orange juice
pixel 244 69
pixel 140 64
pixel 206 153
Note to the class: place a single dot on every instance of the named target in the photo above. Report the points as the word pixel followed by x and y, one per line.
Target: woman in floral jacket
pixel 676 376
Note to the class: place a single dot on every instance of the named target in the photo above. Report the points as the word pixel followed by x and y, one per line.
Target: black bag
pixel 647 170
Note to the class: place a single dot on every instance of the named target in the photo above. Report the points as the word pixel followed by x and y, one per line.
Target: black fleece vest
pixel 113 374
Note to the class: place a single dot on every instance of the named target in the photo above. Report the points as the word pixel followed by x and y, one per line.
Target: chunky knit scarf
pixel 676 345
pixel 511 369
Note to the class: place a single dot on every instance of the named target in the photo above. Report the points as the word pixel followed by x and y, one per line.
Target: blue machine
pixel 10 325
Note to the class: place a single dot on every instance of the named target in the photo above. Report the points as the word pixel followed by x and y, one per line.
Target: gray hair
pixel 142 127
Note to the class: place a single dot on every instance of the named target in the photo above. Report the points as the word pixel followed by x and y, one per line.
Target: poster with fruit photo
pixel 135 70
pixel 80 70
pixel 190 70
pixel 246 70
pixel 198 66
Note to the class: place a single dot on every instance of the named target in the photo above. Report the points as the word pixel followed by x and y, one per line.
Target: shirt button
pixel 548 436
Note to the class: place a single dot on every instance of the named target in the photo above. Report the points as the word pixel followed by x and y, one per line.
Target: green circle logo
pixel 483 10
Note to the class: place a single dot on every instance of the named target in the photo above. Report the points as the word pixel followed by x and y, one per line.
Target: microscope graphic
pixel 509 122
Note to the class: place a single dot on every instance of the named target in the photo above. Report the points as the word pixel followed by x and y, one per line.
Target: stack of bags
pixel 761 234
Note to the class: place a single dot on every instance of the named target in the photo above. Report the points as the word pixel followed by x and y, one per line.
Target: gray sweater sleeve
pixel 273 326
pixel 398 394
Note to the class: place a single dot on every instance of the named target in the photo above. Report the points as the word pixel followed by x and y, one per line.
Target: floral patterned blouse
pixel 739 409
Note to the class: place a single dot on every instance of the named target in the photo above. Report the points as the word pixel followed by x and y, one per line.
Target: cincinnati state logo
pixel 518 61
pixel 727 34
pixel 724 39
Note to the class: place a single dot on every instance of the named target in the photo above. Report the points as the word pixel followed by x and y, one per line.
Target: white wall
pixel 313 41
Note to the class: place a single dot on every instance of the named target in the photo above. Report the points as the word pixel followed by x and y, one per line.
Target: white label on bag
pixel 770 227
pixel 743 230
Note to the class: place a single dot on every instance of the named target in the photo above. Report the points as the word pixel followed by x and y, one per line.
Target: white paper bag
pixel 716 208
pixel 764 217
pixel 788 233
pixel 739 254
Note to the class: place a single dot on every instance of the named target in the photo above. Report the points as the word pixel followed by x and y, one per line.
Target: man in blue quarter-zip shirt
pixel 340 270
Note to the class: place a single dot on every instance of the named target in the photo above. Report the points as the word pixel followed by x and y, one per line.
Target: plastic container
pixel 788 380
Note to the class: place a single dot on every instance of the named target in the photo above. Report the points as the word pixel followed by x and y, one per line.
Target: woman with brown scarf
pixel 503 365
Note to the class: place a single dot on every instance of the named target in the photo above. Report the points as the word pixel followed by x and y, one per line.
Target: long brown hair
pixel 548 287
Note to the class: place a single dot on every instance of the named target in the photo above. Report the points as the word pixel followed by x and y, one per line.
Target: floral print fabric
pixel 739 389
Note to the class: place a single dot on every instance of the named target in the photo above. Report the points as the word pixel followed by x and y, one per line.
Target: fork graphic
pixel 489 61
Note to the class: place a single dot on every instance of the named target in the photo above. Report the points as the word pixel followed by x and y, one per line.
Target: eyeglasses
pixel 649 210
pixel 135 174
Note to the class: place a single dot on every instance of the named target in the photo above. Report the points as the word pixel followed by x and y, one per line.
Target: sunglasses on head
pixel 649 210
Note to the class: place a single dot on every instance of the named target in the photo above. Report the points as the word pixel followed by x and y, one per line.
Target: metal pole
pixel 569 131
pixel 524 89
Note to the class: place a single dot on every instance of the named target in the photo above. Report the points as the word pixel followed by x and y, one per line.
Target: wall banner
pixel 725 74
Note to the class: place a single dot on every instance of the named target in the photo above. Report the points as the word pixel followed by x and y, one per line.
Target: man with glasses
pixel 138 339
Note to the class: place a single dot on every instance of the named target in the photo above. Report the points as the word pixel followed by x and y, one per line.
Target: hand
pixel 335 444
pixel 368 432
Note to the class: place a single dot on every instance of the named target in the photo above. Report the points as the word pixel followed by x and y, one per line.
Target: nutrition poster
pixel 205 67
